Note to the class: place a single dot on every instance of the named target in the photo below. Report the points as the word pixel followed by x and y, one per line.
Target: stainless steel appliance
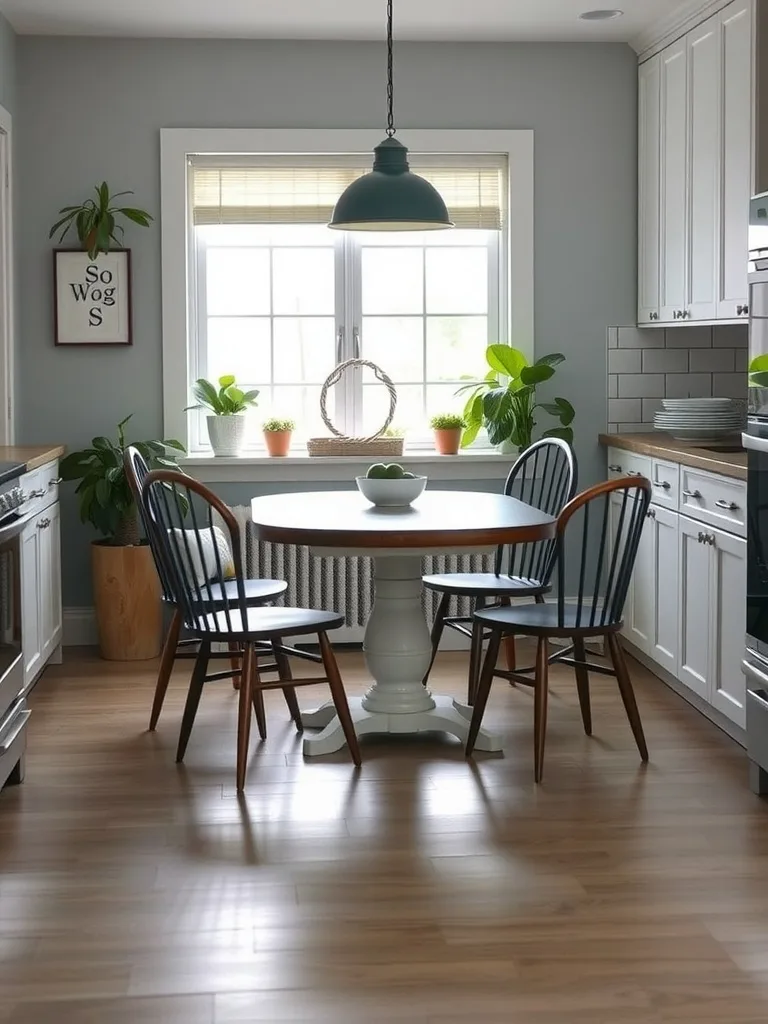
pixel 14 713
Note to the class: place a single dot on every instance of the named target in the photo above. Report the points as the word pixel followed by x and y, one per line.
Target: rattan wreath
pixel 340 444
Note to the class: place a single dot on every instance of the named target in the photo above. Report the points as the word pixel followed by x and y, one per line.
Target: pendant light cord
pixel 390 85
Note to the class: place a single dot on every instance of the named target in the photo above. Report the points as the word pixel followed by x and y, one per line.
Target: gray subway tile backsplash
pixel 647 365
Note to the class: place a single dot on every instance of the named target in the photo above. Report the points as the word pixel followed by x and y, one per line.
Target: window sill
pixel 475 465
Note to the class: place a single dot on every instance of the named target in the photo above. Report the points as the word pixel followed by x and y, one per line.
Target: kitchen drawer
pixel 757 726
pixel 43 484
pixel 623 463
pixel 713 499
pixel 13 740
pixel 665 478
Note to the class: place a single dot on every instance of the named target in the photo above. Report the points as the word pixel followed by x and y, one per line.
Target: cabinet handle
pixel 654 316
pixel 664 484
pixel 742 310
pixel 692 494
pixel 614 468
pixel 37 494
pixel 731 506
pixel 634 472
pixel 701 537
pixel 651 513
pixel 44 524
pixel 56 482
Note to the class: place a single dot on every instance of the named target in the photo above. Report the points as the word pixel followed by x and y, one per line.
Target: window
pixel 277 299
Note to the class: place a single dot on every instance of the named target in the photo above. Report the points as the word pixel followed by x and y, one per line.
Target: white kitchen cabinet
pixel 649 189
pixel 639 615
pixel 663 640
pixel 704 87
pixel 695 173
pixel 729 583
pixel 695 607
pixel 674 169
pixel 41 590
pixel 736 156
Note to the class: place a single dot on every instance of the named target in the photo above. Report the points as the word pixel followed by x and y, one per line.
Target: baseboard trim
pixel 79 630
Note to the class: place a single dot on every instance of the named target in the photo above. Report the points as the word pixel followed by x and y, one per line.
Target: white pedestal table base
pixel 397 652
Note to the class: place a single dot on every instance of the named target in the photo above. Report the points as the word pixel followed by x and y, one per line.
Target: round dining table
pixel 397 644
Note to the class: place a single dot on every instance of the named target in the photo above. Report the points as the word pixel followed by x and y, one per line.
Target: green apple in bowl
pixel 390 486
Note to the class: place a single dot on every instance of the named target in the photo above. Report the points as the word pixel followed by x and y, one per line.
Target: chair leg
pixel 166 667
pixel 257 696
pixel 339 697
pixel 582 684
pixel 244 715
pixel 540 695
pixel 437 631
pixel 627 693
pixel 236 662
pixel 483 690
pixel 193 698
pixel 475 661
pixel 289 692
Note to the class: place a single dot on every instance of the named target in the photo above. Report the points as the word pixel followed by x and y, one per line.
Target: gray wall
pixel 7 66
pixel 92 109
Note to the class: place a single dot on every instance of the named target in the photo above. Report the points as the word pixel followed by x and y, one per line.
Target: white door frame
pixel 7 323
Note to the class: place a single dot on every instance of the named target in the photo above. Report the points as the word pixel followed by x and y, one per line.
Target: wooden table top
pixel 437 519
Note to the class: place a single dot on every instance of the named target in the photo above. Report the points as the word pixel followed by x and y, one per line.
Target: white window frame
pixel 179 273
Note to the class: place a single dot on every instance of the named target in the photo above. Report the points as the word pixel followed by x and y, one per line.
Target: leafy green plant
pixel 448 421
pixel 96 220
pixel 277 426
pixel 758 372
pixel 229 400
pixel 505 401
pixel 104 494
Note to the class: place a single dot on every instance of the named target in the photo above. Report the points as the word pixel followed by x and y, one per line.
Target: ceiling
pixel 334 19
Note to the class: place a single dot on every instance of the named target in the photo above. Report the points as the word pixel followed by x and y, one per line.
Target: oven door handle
pixel 753 674
pixel 13 528
pixel 18 723
pixel 755 444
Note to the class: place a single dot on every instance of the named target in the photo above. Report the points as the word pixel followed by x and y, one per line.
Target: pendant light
pixel 390 197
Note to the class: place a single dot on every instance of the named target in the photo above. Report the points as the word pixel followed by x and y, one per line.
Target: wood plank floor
pixel 423 888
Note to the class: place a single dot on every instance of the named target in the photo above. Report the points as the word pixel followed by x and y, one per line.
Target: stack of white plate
pixel 699 420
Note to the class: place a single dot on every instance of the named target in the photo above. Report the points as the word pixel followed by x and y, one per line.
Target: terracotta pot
pixel 126 593
pixel 278 441
pixel 447 441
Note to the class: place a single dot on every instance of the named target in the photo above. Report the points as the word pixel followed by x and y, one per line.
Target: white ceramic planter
pixel 226 435
pixel 508 448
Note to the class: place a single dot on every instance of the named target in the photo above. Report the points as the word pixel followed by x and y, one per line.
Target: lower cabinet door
pixel 639 615
pixel 664 640
pixel 728 691
pixel 49 592
pixel 695 615
pixel 31 638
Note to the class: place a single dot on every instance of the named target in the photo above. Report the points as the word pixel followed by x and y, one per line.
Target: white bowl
pixel 390 492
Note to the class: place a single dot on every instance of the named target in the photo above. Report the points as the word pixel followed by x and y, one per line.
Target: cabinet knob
pixel 730 506
pixel 742 310
pixel 701 537
pixel 692 494
pixel 56 482
pixel 651 513
pixel 615 468
pixel 654 316
pixel 37 494
pixel 664 484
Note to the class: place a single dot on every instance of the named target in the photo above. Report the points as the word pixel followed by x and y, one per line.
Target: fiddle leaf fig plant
pixel 96 220
pixel 104 494
pixel 504 402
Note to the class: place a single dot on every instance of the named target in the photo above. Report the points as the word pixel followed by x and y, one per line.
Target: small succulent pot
pixel 277 436
pixel 447 440
pixel 278 442
pixel 226 434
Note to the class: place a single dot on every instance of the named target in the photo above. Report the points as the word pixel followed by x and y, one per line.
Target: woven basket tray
pixel 339 444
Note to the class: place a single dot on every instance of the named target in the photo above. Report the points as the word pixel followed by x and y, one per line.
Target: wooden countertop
pixel 32 455
pixel 662 446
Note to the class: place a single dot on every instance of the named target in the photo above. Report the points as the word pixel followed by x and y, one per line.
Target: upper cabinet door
pixel 649 189
pixel 736 156
pixel 674 152
pixel 704 77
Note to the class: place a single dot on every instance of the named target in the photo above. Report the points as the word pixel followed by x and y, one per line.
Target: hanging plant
pixel 96 221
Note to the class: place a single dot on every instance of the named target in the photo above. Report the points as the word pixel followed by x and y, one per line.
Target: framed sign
pixel 92 298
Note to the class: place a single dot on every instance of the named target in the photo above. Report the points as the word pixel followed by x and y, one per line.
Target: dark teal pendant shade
pixel 390 197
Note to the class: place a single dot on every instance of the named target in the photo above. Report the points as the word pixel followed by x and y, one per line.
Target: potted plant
pixel 226 422
pixel 277 436
pixel 447 428
pixel 126 588
pixel 96 221
pixel 505 401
